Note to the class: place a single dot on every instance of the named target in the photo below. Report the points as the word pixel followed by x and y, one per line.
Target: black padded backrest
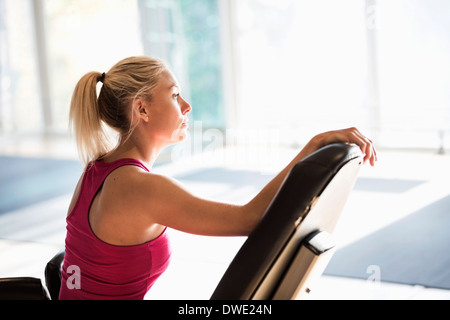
pixel 309 200
pixel 53 274
pixel 22 288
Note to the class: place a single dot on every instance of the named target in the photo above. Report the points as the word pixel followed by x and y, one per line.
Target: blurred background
pixel 263 77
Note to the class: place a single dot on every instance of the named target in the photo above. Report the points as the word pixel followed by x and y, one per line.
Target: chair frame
pixel 271 263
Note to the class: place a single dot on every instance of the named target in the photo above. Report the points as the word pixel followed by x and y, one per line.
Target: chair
pixel 286 252
pixel 30 288
pixel 292 244
pixel 53 274
pixel 22 288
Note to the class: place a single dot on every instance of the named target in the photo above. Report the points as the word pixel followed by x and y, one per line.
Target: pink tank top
pixel 94 269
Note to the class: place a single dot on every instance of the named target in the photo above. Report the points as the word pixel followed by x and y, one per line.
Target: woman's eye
pixel 176 95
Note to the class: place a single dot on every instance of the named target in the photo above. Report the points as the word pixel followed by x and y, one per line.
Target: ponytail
pixel 130 78
pixel 85 119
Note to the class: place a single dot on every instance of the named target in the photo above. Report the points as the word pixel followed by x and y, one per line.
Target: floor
pixel 30 236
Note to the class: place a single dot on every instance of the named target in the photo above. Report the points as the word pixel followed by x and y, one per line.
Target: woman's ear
pixel 141 107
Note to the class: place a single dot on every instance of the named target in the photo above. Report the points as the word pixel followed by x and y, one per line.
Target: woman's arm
pixel 169 204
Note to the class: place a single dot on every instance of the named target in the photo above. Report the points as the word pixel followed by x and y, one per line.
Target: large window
pixel 413 50
pixel 304 66
pixel 294 67
pixel 47 45
pixel 301 66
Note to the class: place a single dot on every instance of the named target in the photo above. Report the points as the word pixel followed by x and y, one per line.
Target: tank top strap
pixel 103 169
pixel 108 167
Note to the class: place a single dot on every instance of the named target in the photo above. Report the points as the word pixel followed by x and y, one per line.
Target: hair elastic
pixel 102 79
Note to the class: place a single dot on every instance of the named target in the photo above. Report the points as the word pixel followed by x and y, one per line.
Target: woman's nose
pixel 185 107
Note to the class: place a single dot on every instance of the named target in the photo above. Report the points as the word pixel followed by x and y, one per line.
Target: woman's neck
pixel 146 153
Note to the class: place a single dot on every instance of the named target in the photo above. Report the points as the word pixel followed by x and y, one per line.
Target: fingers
pixel 350 135
pixel 371 154
pixel 366 145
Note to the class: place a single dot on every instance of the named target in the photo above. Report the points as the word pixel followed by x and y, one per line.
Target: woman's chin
pixel 179 135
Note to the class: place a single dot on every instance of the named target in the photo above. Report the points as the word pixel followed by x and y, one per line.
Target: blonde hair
pixel 129 79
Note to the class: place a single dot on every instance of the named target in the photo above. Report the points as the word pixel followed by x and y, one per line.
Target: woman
pixel 116 243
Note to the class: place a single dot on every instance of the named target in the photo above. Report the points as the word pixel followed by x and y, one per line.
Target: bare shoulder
pixel 137 189
pixel 126 181
pixel 130 178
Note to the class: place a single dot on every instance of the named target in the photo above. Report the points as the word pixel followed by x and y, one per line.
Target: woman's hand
pixel 350 135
